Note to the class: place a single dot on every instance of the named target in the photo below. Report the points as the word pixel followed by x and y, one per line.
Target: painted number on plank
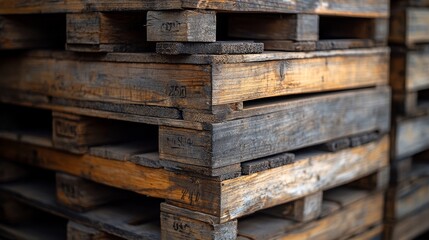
pixel 177 91
pixel 170 26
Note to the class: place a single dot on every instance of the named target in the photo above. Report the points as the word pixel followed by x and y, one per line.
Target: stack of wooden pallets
pixel 407 203
pixel 190 119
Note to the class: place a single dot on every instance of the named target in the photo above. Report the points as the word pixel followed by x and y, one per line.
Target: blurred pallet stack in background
pixel 407 203
pixel 189 119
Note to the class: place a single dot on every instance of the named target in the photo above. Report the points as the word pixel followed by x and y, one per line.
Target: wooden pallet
pixel 223 145
pixel 223 199
pixel 127 81
pixel 98 208
pixel 108 26
pixel 409 81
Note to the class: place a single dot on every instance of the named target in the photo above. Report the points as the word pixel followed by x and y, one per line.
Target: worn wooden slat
pixel 219 47
pixel 321 45
pixel 292 127
pixel 411 137
pixel 247 81
pixel 300 27
pixel 365 8
pixel 181 26
pixel 346 222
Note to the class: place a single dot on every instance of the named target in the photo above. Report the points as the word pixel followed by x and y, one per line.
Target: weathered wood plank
pixel 346 222
pixel 310 173
pixel 321 45
pixel 248 81
pixel 411 137
pixel 292 127
pixel 219 47
pixel 364 8
pixel 300 27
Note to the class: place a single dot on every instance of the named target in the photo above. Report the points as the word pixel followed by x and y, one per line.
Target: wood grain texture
pixel 192 86
pixel 317 172
pixel 408 26
pixel 247 81
pixel 258 135
pixel 181 26
pixel 346 222
pixel 300 27
pixel 225 200
pixel 218 47
pixel 364 8
pixel 411 137
pixel 321 45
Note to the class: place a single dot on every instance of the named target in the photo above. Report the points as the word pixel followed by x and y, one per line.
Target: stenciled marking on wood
pixel 181 227
pixel 65 128
pixel 179 141
pixel 173 26
pixel 177 91
pixel 192 193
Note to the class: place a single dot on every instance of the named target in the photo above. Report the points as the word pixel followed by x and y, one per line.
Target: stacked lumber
pixel 407 203
pixel 235 119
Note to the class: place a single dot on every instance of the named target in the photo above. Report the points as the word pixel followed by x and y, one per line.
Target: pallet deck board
pixel 366 8
pixel 339 224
